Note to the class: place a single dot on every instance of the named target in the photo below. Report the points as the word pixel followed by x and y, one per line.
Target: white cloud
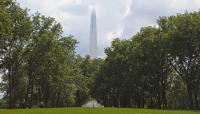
pixel 115 18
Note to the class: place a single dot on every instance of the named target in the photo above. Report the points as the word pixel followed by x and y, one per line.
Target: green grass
pixel 95 111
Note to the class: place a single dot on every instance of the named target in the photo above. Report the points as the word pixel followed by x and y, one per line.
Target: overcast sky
pixel 115 18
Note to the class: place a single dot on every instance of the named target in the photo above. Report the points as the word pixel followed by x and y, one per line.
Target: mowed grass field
pixel 94 111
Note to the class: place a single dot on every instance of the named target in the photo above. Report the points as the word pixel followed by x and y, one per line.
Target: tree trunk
pixel 196 101
pixel 10 88
pixel 164 99
pixel 159 101
pixel 29 92
pixel 189 90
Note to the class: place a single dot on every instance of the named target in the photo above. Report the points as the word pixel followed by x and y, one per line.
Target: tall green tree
pixel 14 39
pixel 183 31
pixel 49 63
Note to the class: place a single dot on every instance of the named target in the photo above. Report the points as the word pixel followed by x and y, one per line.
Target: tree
pixel 184 50
pixel 49 64
pixel 88 69
pixel 147 70
pixel 13 39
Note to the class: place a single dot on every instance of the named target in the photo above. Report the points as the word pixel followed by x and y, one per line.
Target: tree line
pixel 159 67
pixel 39 66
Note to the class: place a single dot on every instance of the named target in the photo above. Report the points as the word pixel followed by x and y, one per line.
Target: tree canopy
pixel 157 68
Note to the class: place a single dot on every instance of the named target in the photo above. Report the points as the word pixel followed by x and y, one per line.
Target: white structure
pixel 92 103
pixel 93 34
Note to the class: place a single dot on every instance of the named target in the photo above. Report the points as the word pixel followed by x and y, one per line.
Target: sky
pixel 115 18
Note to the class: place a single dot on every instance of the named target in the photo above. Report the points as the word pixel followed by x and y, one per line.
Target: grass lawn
pixel 94 111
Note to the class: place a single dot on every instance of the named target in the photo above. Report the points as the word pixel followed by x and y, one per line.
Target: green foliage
pixel 88 70
pixel 38 64
pixel 157 68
